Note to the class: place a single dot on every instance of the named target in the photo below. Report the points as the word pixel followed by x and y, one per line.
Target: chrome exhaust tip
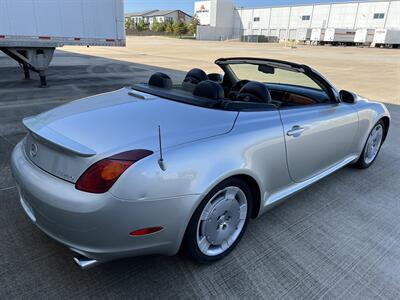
pixel 85 263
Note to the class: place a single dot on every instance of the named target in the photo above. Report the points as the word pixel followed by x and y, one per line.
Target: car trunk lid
pixel 65 141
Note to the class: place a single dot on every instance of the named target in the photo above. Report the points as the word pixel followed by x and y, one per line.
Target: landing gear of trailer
pixel 32 59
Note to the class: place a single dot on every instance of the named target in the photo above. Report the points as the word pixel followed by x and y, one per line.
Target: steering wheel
pixel 236 88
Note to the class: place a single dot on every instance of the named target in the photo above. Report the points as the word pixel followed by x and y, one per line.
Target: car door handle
pixel 295 131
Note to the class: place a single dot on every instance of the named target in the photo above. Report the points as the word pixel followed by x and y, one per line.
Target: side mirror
pixel 347 97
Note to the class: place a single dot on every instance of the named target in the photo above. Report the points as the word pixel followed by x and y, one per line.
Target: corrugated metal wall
pixel 279 20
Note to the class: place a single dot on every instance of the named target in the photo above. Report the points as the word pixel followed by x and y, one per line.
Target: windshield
pixel 268 74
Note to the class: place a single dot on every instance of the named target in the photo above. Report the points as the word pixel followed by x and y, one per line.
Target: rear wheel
pixel 372 146
pixel 219 222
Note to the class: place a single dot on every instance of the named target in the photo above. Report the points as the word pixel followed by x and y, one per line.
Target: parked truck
pixel 30 31
pixel 387 38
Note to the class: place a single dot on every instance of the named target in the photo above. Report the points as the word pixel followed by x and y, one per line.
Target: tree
pixel 141 25
pixel 169 27
pixel 179 28
pixel 128 23
pixel 158 27
pixel 192 27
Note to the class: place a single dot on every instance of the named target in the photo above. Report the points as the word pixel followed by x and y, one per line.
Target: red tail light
pixel 101 176
pixel 146 231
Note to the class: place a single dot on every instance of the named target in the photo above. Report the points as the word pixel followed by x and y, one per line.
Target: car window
pixel 279 76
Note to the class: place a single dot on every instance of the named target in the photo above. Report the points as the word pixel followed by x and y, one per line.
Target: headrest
pixel 195 76
pixel 160 80
pixel 254 91
pixel 215 77
pixel 209 89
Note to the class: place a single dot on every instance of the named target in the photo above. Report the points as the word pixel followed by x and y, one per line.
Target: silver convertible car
pixel 157 167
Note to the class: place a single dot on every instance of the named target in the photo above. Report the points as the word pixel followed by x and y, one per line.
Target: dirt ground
pixel 370 72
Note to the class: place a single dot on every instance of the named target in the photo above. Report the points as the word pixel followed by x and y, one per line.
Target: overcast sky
pixel 188 6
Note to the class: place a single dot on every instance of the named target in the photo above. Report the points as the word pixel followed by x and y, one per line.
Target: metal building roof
pixel 141 14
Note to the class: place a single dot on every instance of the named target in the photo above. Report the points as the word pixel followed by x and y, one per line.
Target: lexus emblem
pixel 33 150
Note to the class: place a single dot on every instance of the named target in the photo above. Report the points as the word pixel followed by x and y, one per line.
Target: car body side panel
pixel 330 131
pixel 255 147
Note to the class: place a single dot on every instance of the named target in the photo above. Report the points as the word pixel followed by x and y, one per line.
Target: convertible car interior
pixel 246 84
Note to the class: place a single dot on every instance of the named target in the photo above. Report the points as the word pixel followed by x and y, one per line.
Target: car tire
pixel 219 222
pixel 372 146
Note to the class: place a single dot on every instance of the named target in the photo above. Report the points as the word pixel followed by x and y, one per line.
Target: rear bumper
pixel 98 226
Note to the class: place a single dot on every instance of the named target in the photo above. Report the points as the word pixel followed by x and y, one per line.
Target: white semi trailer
pixel 387 38
pixel 303 34
pixel 364 36
pixel 339 36
pixel 31 30
pixel 317 35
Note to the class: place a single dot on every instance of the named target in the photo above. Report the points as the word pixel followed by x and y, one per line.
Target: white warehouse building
pixel 221 20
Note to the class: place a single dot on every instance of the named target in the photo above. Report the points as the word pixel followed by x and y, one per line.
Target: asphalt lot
pixel 338 239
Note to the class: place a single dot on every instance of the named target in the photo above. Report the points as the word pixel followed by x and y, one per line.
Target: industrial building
pixel 221 20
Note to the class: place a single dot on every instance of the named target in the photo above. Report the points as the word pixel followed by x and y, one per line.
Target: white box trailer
pixel 303 34
pixel 31 30
pixel 387 37
pixel 364 36
pixel 339 36
pixel 317 35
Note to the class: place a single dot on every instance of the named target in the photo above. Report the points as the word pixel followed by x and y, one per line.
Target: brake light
pixel 101 176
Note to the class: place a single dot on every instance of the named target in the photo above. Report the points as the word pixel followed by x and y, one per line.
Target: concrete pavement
pixel 339 239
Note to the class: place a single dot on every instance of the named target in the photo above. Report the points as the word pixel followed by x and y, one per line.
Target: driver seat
pixel 255 92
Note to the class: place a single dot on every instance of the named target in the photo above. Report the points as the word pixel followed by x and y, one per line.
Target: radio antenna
pixel 161 162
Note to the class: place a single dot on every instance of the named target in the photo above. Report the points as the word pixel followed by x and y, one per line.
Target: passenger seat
pixel 210 90
pixel 193 77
